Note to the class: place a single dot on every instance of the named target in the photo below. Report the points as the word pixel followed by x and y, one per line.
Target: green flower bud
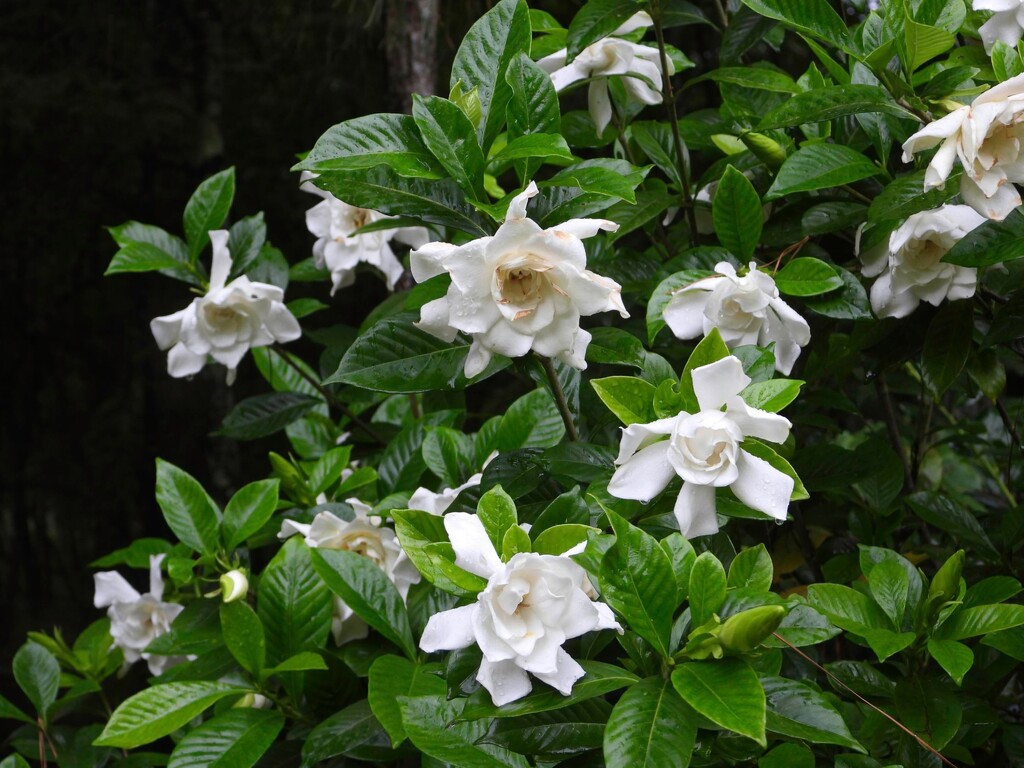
pixel 765 149
pixel 946 584
pixel 234 585
pixel 747 630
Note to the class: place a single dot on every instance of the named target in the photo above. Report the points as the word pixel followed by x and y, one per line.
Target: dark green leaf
pixel 820 166
pixel 799 711
pixel 947 345
pixel 736 211
pixel 725 691
pixel 187 508
pixel 807 276
pixel 160 710
pixel 707 588
pixel 262 415
pixel 810 17
pixel 345 732
pixel 596 20
pixel 650 727
pixel 237 738
pixel 532 421
pixel 38 674
pixel 368 591
pixel 207 209
pixel 450 136
pixel 369 141
pixel 393 676
pixel 243 636
pixel 829 103
pixel 994 242
pixel 433 726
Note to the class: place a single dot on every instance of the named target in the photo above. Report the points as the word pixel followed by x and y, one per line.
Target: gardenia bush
pixel 541 508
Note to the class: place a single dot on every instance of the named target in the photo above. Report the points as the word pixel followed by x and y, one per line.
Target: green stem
pixel 670 102
pixel 329 396
pixel 560 401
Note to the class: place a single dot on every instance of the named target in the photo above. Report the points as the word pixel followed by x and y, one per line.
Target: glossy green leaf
pixel 725 691
pixel 8 711
pixel 295 605
pixel 629 398
pixel 758 78
pixel 352 731
pixel 807 276
pixel 707 588
pixel 928 708
pixel 980 620
pixel 956 658
pixel 752 568
pixel 533 106
pixel 368 591
pixel 237 738
pixel 188 509
pixel 596 20
pixel 432 725
pixel 532 421
pixel 395 356
pixel 262 415
pixel 808 17
pixel 434 201
pixel 425 541
pixel 483 58
pixel 829 103
pixel 923 42
pixel 772 395
pixel 244 636
pixel 797 710
pixel 207 209
pixel 736 211
pixel 497 512
pixel 392 677
pixel 847 608
pixel 141 257
pixel 451 137
pixel 38 675
pixel 369 141
pixel 160 710
pixel 993 242
pixel 650 727
pixel 638 583
pixel 821 166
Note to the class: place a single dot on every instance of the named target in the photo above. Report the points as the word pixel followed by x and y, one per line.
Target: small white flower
pixel 909 266
pixel 226 322
pixel 986 137
pixel 364 535
pixel 608 57
pixel 532 604
pixel 704 449
pixel 1006 24
pixel 137 620
pixel 340 246
pixel 522 288
pixel 746 310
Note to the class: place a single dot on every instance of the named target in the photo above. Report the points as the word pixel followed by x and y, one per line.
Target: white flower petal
pixel 474 551
pixel 757 423
pixel 644 474
pixel 505 681
pixel 762 487
pixel 434 319
pixel 567 672
pixel 695 510
pixel 517 206
pixel 111 587
pixel 449 630
pixel 167 329
pixel 684 313
pixel 714 384
pixel 221 259
pixel 637 436
pixel 183 362
pixel 427 261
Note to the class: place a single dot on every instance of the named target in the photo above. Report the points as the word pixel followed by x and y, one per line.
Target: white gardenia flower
pixel 225 323
pixel 704 449
pixel 909 265
pixel 986 137
pixel 340 246
pixel 137 620
pixel 1006 24
pixel 522 288
pixel 364 535
pixel 532 604
pixel 746 310
pixel 611 56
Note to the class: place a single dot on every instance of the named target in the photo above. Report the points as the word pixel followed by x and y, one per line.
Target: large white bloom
pixel 986 137
pixel 703 449
pixel 137 620
pixel 364 535
pixel 522 288
pixel 746 310
pixel 532 604
pixel 909 266
pixel 340 246
pixel 226 322
pixel 639 65
pixel 1006 24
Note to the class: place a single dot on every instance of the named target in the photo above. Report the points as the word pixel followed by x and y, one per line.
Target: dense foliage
pixel 542 507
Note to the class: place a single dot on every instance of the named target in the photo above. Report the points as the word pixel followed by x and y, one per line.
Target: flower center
pixel 222 318
pixel 360 217
pixel 361 543
pixel 522 284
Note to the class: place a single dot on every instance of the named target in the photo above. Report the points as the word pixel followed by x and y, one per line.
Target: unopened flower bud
pixel 254 701
pixel 748 629
pixel 234 585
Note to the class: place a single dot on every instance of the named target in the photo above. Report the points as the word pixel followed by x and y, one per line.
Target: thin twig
pixel 880 711
pixel 670 103
pixel 560 401
pixel 894 431
pixel 329 396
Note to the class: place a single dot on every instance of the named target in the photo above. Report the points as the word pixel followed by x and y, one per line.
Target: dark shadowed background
pixel 115 111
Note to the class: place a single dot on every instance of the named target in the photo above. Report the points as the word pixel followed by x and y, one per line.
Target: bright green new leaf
pixel 232 739
pixel 650 727
pixel 737 215
pixel 725 691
